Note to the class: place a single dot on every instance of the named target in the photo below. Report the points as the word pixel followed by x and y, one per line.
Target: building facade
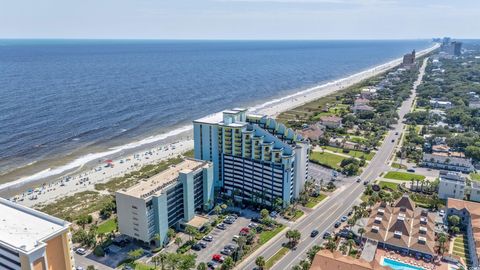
pixel 168 199
pixel 447 163
pixel 451 185
pixel 475 191
pixel 32 240
pixel 469 213
pixel 254 157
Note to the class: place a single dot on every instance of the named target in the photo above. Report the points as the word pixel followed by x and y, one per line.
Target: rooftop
pixel 24 229
pixel 155 184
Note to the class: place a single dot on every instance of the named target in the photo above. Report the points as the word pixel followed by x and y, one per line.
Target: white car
pixel 441 213
pixel 81 251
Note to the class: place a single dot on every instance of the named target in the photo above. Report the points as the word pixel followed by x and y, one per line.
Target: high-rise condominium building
pixel 255 158
pixel 168 199
pixel 32 240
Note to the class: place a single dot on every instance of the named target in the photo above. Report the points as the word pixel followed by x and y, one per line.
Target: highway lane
pixel 337 205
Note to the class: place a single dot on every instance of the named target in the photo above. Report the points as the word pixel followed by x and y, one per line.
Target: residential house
pixel 368 92
pixel 312 132
pixel 451 185
pixel 447 163
pixel 469 213
pixel 331 121
pixel 434 103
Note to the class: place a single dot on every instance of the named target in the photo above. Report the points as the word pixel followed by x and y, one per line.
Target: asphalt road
pixel 337 205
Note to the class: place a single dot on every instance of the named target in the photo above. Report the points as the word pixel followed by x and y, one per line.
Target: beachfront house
pixel 331 121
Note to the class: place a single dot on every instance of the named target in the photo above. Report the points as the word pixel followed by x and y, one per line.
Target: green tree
pixel 442 239
pixel 90 267
pixel 135 254
pixel 187 261
pixel 228 263
pixel 264 213
pixel 202 266
pixel 191 231
pixel 453 220
pixel 178 241
pixel 217 209
pixel 260 262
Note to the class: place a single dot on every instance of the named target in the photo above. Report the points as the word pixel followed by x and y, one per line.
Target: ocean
pixel 64 99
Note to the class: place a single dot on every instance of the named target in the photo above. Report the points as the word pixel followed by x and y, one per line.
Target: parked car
pixel 127 267
pixel 314 233
pixel 222 226
pixel 393 140
pixel 273 214
pixel 197 247
pixel 202 244
pixel 228 221
pixel 79 268
pixel 235 238
pixel 410 170
pixel 326 235
pixel 359 180
pixel 396 133
pixel 441 213
pixel 208 238
pixel 227 252
pixel 350 213
pixel 232 247
pixel 218 258
pixel 365 182
pixel 252 225
pixel 337 224
pixel 212 265
pixel 81 251
pixel 344 218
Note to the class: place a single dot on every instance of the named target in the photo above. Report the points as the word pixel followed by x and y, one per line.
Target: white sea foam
pixel 91 157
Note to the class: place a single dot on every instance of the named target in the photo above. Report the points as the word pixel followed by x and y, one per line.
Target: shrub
pixel 98 251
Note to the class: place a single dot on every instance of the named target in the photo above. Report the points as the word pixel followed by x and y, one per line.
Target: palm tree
pixel 178 241
pixel 191 231
pixel 350 243
pixel 260 262
pixel 361 231
pixel 442 239
pixel 162 257
pixel 331 245
pixel 343 249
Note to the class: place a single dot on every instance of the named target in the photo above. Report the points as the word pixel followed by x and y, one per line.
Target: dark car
pixel 197 247
pixel 326 235
pixel 350 213
pixel 314 233
pixel 393 140
pixel 337 224
pixel 410 170
pixel 359 180
pixel 365 182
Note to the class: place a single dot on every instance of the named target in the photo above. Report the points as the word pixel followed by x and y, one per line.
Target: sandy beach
pixel 102 169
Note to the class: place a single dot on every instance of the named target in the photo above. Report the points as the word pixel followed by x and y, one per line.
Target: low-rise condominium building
pixel 168 199
pixel 447 163
pixel 32 240
pixel 451 185
pixel 255 158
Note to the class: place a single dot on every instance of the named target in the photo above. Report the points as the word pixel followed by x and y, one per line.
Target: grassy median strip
pixel 276 257
pixel 404 176
pixel 267 235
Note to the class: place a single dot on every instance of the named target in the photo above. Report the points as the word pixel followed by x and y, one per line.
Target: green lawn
pixel 460 248
pixel 267 235
pixel 107 226
pixel 357 139
pixel 398 166
pixel 389 185
pixel 352 153
pixel 404 176
pixel 326 159
pixel 270 262
pixel 475 176
pixel 312 201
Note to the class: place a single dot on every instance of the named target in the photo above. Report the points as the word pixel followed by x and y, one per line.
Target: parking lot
pixel 221 238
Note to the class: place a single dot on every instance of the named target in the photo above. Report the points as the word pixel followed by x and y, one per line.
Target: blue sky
pixel 240 19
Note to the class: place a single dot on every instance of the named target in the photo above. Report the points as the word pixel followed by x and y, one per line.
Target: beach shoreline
pixel 156 148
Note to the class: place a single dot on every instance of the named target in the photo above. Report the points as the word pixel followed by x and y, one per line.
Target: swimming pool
pixel 399 265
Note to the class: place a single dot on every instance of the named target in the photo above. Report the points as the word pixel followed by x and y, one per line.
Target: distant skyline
pixel 239 19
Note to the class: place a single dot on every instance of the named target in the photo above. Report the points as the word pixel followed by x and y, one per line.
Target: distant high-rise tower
pixel 409 59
